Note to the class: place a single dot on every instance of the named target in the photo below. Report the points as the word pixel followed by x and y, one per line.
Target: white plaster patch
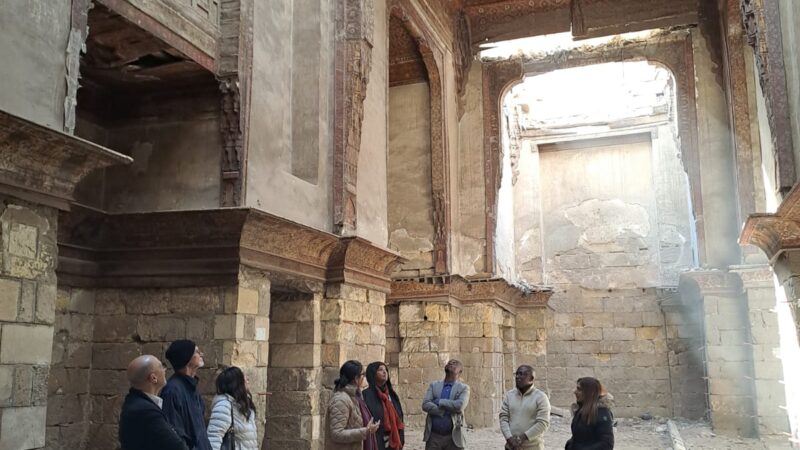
pixel 605 221
pixel 401 241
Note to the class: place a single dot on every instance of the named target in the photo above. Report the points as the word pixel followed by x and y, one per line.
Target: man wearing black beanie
pixel 182 403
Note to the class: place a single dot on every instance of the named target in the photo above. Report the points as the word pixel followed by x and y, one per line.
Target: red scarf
pixel 391 422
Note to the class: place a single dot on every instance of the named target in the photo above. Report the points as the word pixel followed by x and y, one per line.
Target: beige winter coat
pixel 345 428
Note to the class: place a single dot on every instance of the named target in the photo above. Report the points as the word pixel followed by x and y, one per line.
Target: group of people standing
pixel 170 415
pixel 364 413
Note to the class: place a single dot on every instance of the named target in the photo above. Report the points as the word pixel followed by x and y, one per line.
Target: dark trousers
pixel 440 442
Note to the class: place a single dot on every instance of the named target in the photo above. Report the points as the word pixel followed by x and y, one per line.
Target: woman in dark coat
pixel 384 405
pixel 592 420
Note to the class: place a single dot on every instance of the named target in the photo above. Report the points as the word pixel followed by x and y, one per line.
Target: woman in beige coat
pixel 347 426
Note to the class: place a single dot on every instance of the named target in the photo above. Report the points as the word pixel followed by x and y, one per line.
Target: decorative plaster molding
pixel 42 165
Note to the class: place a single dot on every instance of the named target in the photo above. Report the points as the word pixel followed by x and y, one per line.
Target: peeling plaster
pixel 606 221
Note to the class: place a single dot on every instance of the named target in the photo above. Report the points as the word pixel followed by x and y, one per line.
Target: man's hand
pixel 515 441
pixel 436 400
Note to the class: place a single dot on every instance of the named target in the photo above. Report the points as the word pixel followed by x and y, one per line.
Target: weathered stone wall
pixel 429 337
pixel 686 344
pixel 36 36
pixel 617 336
pixel 100 331
pixel 27 314
pixel 409 178
pixel 294 410
pixel 69 400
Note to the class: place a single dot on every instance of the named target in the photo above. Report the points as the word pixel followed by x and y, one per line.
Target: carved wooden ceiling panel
pixel 493 20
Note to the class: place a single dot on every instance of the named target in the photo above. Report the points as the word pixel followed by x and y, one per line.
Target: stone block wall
pixel 729 364
pixel 617 336
pixel 686 343
pixel 69 399
pixel 429 337
pixel 131 322
pixel 482 352
pixel 767 367
pixel 98 332
pixel 27 315
pixel 295 411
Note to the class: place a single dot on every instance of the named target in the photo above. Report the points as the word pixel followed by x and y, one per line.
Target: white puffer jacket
pixel 220 422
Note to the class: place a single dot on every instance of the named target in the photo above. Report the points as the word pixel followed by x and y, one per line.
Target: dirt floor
pixel 630 434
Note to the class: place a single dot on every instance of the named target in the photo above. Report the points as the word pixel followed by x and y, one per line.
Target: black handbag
pixel 229 440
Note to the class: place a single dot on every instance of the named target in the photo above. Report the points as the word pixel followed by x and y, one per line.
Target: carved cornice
pixel 755 275
pixel 43 165
pixel 457 290
pixel 358 261
pixel 778 232
pixel 206 248
pixel 700 283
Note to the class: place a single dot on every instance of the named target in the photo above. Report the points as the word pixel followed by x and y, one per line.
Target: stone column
pixel 482 354
pixel 242 332
pixel 428 339
pixel 39 168
pixel 728 356
pixel 530 328
pixel 765 341
pixel 683 320
pixel 27 312
pixel 294 413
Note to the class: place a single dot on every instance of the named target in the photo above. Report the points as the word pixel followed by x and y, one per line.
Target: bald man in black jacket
pixel 142 424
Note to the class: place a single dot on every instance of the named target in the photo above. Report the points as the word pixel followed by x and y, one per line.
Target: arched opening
pixel 594 201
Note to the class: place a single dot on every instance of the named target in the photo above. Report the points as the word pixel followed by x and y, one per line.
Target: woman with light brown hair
pixel 592 419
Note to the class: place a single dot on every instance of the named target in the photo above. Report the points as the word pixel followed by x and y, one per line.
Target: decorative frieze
pixel 775 233
pixel 457 290
pixel 206 248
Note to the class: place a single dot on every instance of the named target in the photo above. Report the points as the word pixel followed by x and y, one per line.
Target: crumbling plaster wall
pixel 469 230
pixel 34 48
pixel 270 184
pixel 409 177
pixel 372 200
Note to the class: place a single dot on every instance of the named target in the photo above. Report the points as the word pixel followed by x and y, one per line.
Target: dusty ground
pixel 631 434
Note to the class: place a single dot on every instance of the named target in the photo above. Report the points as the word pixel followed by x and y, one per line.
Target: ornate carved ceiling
pixel 405 61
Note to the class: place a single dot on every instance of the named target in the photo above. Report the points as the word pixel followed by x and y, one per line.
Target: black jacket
pixel 185 411
pixel 596 436
pixel 143 425
pixel 376 409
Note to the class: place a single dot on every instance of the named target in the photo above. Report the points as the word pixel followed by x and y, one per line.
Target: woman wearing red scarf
pixel 384 405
